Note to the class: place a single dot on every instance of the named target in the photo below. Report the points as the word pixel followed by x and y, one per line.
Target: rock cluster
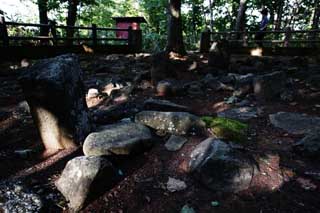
pixel 16 198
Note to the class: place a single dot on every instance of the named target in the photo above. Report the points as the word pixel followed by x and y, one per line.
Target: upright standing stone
pixel 55 93
pixel 268 87
pixel 219 55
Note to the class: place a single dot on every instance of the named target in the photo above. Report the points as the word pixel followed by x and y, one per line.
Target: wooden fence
pixel 285 39
pixel 16 39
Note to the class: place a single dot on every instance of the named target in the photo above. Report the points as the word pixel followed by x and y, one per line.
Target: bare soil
pixel 143 185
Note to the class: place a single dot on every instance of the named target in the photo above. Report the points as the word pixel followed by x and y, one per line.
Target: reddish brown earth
pixel 142 188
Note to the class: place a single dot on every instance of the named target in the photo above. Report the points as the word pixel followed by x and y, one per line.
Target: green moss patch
pixel 227 129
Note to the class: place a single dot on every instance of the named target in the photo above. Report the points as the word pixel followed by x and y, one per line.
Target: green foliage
pixel 296 14
pixel 227 128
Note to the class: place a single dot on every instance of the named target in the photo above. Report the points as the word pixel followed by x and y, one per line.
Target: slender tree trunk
pixel 279 15
pixel 241 15
pixel 271 19
pixel 194 24
pixel 211 2
pixel 240 22
pixel 316 15
pixel 72 17
pixel 43 16
pixel 175 39
pixel 233 14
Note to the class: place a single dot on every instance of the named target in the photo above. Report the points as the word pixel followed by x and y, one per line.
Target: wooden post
pixel 205 41
pixel 287 37
pixel 94 35
pixel 130 39
pixel 4 31
pixel 53 32
pixel 134 40
pixel 245 39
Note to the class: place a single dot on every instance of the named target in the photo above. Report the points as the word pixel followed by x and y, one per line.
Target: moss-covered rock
pixel 227 129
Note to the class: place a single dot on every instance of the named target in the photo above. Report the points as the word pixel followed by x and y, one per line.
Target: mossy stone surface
pixel 227 129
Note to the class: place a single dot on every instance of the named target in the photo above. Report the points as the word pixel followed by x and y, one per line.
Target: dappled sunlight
pixel 87 49
pixel 174 12
pixel 177 56
pixel 52 134
pixel 257 52
pixel 220 106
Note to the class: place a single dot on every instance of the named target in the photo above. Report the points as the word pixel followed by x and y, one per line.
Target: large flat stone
pixel 179 123
pixel 120 139
pixel 241 113
pixel 295 123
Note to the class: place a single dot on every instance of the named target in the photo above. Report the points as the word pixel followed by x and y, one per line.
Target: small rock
pixel 26 153
pixel 114 113
pixel 187 209
pixel 243 103
pixel 287 96
pixel 215 203
pixel 175 185
pixel 231 100
pixel 175 143
pixel 109 88
pixel 164 88
pixel 92 93
pixel 195 89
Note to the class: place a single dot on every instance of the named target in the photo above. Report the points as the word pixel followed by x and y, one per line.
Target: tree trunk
pixel 72 17
pixel 279 15
pixel 240 22
pixel 211 14
pixel 316 15
pixel 43 16
pixel 175 39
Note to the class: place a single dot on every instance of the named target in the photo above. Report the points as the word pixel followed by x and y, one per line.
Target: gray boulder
pixel 240 113
pixel 269 86
pixel 55 93
pixel 79 177
pixel 295 123
pixel 120 139
pixel 179 123
pixel 220 167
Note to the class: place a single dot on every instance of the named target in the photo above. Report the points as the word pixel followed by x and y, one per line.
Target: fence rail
pixel 272 38
pixel 57 35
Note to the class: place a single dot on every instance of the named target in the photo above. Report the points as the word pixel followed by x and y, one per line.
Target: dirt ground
pixel 142 186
